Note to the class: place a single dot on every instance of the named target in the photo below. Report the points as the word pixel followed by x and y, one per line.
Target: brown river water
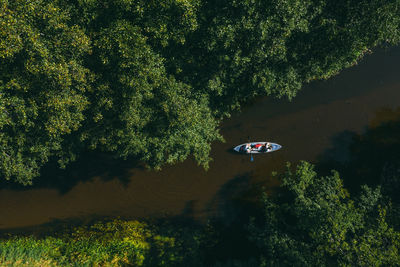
pixel 307 128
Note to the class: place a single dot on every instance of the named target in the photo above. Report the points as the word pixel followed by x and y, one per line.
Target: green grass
pixel 116 243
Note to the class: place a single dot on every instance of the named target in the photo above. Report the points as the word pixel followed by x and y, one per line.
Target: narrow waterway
pixel 307 128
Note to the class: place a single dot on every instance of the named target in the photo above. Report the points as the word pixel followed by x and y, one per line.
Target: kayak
pixel 257 147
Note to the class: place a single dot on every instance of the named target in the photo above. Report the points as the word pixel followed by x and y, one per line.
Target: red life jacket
pixel 257 145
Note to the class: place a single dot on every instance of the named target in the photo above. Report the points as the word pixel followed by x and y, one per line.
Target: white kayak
pixel 257 147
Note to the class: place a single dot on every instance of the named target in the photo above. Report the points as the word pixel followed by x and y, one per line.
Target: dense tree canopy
pixel 273 47
pixel 42 85
pixel 152 79
pixel 138 109
pixel 315 222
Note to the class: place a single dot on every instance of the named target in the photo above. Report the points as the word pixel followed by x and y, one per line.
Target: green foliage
pixel 53 106
pixel 341 34
pixel 249 40
pixel 139 110
pixel 152 79
pixel 26 251
pixel 273 47
pixel 317 223
pixel 115 243
pixel 163 22
pixel 42 85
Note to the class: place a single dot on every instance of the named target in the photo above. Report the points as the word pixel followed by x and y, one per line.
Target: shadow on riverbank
pixel 88 166
pixel 361 158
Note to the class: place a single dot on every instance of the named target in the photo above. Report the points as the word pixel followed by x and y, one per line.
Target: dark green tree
pixel 53 106
pixel 42 85
pixel 138 109
pixel 316 223
pixel 244 49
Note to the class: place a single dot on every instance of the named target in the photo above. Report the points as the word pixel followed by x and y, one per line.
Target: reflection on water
pixel 89 166
pixel 322 123
pixel 367 153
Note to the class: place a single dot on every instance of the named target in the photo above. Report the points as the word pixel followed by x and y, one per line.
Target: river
pixel 307 128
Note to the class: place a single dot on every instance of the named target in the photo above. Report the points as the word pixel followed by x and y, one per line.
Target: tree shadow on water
pixel 88 166
pixel 361 158
pixel 227 204
pixel 232 211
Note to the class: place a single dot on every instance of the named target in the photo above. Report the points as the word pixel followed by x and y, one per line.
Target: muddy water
pixel 305 128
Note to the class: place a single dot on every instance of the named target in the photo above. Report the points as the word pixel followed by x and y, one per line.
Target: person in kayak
pixel 248 148
pixel 245 148
pixel 267 147
pixel 257 146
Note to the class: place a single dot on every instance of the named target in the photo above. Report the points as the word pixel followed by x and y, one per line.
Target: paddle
pixel 251 155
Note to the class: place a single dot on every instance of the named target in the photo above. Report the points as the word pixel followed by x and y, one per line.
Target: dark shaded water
pixel 322 124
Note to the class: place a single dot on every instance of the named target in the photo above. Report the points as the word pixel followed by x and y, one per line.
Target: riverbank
pixel 313 220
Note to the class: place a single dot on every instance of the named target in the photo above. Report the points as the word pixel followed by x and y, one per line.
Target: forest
pixel 152 80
